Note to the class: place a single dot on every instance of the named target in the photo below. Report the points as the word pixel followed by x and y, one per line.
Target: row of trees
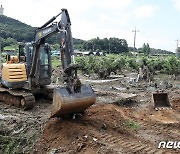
pixel 114 45
pixel 111 45
pixel 104 65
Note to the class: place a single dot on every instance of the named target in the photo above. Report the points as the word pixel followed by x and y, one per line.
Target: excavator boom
pixel 74 97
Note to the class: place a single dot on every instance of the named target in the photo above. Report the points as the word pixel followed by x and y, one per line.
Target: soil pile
pixel 80 133
pixel 108 128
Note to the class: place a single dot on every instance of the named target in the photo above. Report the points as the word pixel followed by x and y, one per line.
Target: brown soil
pixel 82 133
pixel 115 124
pixel 111 129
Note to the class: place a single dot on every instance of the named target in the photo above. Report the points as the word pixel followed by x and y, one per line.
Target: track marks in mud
pixel 127 144
pixel 164 128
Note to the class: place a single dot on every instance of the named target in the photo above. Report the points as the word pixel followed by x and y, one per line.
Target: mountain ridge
pixel 15 29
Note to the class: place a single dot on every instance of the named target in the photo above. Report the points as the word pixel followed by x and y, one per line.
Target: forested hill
pixel 14 30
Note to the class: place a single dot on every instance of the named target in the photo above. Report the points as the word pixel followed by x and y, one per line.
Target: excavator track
pixel 19 98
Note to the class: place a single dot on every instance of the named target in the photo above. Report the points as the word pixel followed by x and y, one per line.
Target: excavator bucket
pixel 66 103
pixel 160 100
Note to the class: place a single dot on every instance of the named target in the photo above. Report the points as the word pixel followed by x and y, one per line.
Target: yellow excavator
pixel 30 72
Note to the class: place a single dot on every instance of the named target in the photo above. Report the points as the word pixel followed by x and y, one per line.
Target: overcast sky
pixel 158 21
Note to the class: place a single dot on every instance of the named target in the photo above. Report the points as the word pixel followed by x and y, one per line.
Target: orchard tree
pixel 144 48
pixel 147 49
pixel 178 52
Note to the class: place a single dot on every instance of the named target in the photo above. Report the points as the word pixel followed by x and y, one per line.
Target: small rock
pixel 54 151
pixel 85 136
pixel 80 146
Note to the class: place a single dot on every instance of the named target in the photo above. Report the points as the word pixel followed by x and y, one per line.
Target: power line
pixel 135 31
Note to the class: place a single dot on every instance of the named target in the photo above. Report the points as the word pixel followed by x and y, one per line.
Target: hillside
pixel 13 31
pixel 11 28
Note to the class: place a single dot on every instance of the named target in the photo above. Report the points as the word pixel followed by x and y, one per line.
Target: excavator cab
pixel 26 53
pixel 45 65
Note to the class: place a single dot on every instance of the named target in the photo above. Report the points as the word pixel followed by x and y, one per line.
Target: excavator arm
pixel 66 44
pixel 75 97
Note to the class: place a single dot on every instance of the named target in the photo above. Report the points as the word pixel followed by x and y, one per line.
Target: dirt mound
pixel 110 129
pixel 79 134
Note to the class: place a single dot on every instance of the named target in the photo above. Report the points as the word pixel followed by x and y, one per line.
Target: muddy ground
pixel 123 120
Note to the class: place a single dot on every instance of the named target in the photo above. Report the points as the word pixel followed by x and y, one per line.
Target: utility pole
pixel 135 31
pixel 177 42
pixel 0 58
pixel 109 47
pixel 177 49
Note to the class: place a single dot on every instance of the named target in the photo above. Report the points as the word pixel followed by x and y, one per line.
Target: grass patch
pixel 16 145
pixel 9 145
pixel 132 125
